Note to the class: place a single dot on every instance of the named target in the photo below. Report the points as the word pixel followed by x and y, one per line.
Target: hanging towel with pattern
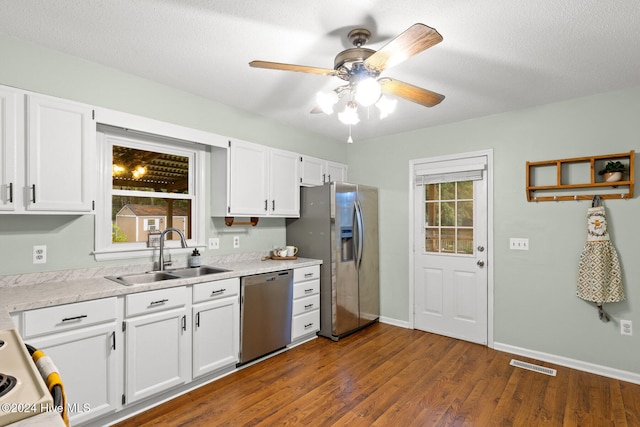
pixel 600 279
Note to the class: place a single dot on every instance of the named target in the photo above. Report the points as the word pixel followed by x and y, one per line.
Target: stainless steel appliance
pixel 23 392
pixel 339 224
pixel 265 313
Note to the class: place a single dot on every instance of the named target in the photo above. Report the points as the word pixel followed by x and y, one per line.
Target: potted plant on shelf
pixel 612 171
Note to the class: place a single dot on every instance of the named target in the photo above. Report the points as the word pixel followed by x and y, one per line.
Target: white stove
pixel 23 392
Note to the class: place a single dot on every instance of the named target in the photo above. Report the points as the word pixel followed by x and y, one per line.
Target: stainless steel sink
pixel 149 277
pixel 196 271
pixel 158 276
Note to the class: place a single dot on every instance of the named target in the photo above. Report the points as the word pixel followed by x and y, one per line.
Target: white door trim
pixel 490 271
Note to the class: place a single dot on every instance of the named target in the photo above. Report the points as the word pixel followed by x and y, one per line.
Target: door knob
pixel 480 263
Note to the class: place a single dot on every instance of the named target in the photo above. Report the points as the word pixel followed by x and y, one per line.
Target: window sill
pixel 148 254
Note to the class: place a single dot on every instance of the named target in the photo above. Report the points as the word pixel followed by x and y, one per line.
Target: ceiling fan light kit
pixel 361 67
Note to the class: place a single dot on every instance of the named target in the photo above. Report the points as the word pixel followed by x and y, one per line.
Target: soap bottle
pixel 194 261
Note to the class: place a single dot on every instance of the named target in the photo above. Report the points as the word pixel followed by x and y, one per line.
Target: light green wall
pixel 69 239
pixel 535 303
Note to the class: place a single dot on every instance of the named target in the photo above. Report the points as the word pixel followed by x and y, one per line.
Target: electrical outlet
pixel 626 327
pixel 214 243
pixel 518 244
pixel 39 254
pixel 236 242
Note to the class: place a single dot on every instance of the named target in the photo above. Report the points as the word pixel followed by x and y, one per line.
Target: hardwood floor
pixel 390 376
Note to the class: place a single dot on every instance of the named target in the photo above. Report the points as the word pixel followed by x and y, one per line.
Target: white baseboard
pixel 580 365
pixel 394 322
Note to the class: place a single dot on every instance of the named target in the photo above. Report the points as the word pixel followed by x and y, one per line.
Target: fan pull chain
pixel 349 140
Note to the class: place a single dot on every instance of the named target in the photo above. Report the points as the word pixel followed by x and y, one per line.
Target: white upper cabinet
pixel 8 148
pixel 255 180
pixel 284 183
pixel 47 148
pixel 60 151
pixel 315 171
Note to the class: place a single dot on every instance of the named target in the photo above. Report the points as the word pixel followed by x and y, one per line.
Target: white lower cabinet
pixel 157 342
pixel 81 340
pixel 305 321
pixel 216 325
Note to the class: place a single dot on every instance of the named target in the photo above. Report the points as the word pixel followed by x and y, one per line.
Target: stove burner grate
pixel 7 382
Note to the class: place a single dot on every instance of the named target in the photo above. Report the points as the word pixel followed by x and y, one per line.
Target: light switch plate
pixel 519 244
pixel 214 243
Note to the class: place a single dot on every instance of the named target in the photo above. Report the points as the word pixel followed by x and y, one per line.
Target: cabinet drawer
pixel 303 305
pixel 152 301
pixel 306 273
pixel 304 324
pixel 213 290
pixel 68 316
pixel 306 289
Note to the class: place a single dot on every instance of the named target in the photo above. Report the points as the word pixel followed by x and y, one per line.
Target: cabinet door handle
pixel 184 322
pixel 197 319
pixel 218 291
pixel 329 177
pixel 33 193
pixel 266 203
pixel 113 340
pixel 162 301
pixel 273 205
pixel 323 177
pixel 11 192
pixel 69 319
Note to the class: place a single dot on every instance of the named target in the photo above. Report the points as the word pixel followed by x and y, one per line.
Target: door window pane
pixel 449 218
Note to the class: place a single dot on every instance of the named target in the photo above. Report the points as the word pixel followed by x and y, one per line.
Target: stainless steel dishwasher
pixel 265 313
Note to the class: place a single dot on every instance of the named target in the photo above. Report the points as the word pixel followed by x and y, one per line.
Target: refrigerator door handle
pixel 360 228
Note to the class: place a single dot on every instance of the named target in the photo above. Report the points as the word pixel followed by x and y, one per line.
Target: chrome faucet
pixel 183 242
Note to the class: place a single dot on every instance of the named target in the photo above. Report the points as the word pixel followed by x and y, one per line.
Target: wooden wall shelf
pixel 564 189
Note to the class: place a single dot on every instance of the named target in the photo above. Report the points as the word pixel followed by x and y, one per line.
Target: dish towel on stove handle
pixel 600 278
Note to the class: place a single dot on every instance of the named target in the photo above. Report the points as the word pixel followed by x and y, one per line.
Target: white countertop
pixel 37 290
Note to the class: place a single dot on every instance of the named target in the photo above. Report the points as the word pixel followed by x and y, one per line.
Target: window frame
pixel 105 249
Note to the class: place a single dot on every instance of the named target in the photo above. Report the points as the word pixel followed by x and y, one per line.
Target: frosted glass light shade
pixel 368 92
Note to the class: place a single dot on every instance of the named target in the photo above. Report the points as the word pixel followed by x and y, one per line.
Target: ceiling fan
pixel 358 65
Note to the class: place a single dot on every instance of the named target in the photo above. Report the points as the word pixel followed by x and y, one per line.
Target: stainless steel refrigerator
pixel 339 224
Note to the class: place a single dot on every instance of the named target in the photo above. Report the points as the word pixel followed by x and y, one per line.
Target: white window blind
pixel 450 171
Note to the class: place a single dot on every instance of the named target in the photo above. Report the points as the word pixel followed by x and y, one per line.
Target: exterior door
pixel 450 254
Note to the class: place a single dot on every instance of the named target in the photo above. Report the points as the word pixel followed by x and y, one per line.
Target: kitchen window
pixel 146 185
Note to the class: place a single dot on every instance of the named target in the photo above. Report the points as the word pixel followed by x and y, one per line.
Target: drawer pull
pixel 162 301
pixel 308 275
pixel 69 319
pixel 308 291
pixel 308 325
pixel 308 306
pixel 219 291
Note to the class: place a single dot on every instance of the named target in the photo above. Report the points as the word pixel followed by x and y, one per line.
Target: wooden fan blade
pixel 316 110
pixel 411 93
pixel 291 67
pixel 414 40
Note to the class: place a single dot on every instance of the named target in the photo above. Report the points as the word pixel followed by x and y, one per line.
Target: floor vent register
pixel 532 367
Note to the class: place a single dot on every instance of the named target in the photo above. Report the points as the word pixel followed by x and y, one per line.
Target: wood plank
pixel 385 375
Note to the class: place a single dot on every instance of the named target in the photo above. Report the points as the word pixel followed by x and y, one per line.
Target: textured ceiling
pixel 497 55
